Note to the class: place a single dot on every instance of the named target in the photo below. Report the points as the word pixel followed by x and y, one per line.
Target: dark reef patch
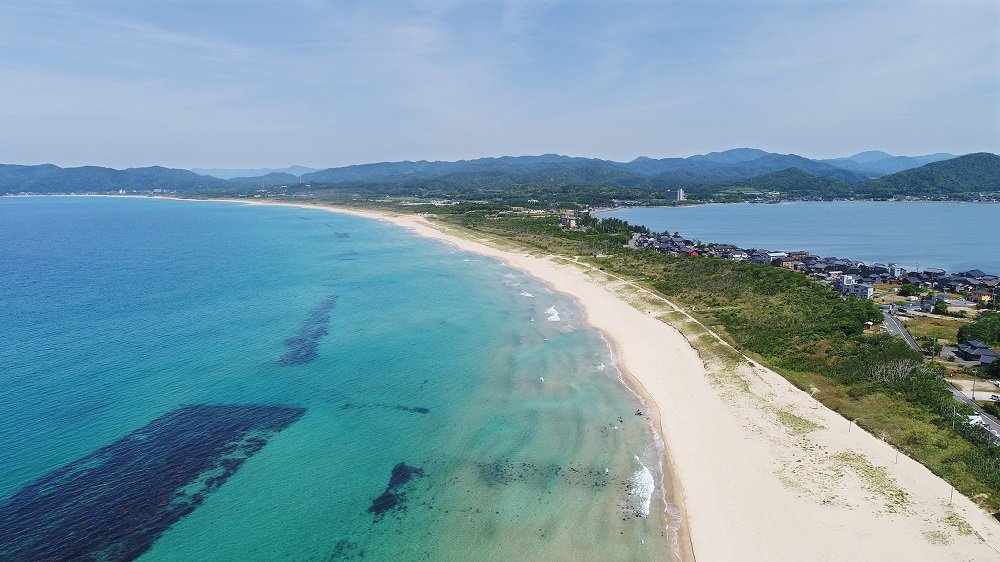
pixel 345 550
pixel 505 472
pixel 393 497
pixel 403 473
pixel 113 503
pixel 400 407
pixel 339 234
pixel 414 409
pixel 303 346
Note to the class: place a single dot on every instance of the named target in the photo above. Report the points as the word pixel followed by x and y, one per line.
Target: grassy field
pixel 939 327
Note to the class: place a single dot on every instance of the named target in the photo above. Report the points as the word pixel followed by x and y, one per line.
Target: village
pixel 952 297
pixel 849 277
pixel 926 308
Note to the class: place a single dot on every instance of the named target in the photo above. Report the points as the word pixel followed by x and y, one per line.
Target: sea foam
pixel 640 488
pixel 553 314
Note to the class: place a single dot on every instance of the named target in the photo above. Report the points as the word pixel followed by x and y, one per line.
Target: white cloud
pixel 226 84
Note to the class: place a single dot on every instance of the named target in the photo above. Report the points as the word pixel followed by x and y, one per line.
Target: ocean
pixel 215 381
pixel 916 235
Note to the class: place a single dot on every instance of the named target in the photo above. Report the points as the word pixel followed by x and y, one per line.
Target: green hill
pixel 48 178
pixel 969 174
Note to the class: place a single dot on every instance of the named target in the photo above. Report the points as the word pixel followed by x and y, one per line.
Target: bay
pixel 916 235
pixel 289 383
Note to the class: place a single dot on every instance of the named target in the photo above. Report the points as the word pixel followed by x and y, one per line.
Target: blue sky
pixel 253 84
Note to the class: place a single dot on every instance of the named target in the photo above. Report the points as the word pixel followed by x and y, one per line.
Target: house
pixel 688 251
pixel 842 282
pixel 849 286
pixel 737 255
pixel 568 222
pixel 976 350
pixel 981 296
pixel 785 263
pixel 860 291
pixel 952 286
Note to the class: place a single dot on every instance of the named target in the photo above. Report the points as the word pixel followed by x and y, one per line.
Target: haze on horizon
pixel 224 84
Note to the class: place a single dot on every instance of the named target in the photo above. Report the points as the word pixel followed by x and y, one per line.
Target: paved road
pixel 896 328
pixel 992 423
pixel 892 324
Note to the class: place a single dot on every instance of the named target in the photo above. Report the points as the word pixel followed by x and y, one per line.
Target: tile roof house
pixel 976 350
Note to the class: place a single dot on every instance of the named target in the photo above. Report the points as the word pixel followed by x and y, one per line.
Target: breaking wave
pixel 553 314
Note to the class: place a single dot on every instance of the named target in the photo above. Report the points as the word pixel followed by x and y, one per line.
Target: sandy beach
pixel 759 469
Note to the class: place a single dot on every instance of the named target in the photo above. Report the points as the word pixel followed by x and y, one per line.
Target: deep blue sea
pixel 216 381
pixel 952 236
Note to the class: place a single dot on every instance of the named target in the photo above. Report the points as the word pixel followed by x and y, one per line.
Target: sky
pixel 273 83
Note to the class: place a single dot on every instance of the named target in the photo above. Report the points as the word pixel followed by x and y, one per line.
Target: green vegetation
pixel 876 480
pixel 908 290
pixel 933 327
pixel 986 328
pixel 48 178
pixel 972 173
pixel 802 329
pixel 791 182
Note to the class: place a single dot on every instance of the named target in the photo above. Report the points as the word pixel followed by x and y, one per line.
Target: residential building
pixel 849 286
pixel 860 291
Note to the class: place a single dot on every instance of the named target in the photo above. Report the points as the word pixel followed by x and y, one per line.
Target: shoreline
pixel 715 517
pixel 679 539
pixel 758 468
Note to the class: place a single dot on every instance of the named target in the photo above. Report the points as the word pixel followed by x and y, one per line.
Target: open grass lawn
pixel 935 327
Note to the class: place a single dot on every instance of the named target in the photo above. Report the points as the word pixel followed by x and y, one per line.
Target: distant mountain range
pixel 863 174
pixel 969 174
pixel 877 163
pixel 230 173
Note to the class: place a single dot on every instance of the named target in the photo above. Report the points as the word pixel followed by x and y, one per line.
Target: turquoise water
pixel 951 236
pixel 453 408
